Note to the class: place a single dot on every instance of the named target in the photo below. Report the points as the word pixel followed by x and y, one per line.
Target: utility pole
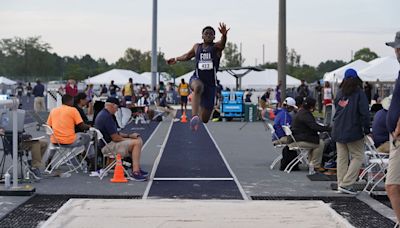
pixel 282 48
pixel 263 62
pixel 154 59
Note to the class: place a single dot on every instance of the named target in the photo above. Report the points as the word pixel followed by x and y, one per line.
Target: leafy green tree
pixel 293 59
pixel 365 54
pixel 232 57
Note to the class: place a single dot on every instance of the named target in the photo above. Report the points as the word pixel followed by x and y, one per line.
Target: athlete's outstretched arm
pixel 185 57
pixel 224 31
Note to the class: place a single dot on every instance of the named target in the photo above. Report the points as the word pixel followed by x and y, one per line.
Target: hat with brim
pixel 396 42
pixel 386 102
pixel 113 100
pixel 290 102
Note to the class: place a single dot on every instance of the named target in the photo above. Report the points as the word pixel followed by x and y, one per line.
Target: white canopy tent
pixel 384 69
pixel 146 77
pixel 255 79
pixel 6 81
pixel 119 76
pixel 338 74
pixel 267 78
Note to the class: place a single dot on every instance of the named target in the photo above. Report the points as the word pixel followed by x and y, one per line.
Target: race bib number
pixel 205 65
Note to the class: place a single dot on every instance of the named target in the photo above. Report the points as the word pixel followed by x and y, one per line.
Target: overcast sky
pixel 318 30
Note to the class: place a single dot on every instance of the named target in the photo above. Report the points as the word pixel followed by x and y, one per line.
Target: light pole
pixel 282 48
pixel 154 58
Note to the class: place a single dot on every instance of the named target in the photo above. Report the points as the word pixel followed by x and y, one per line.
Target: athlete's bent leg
pixel 205 114
pixel 197 88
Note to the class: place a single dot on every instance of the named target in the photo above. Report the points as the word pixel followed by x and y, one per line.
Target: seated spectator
pixel 80 101
pixel 283 118
pixel 379 130
pixel 165 107
pixel 124 144
pixel 377 106
pixel 63 121
pixel 305 130
pixel 37 148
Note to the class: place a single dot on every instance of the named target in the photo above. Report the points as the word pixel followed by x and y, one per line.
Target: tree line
pixel 31 58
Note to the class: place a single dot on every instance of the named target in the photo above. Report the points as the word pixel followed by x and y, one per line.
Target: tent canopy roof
pixel 384 69
pixel 338 74
pixel 119 76
pixel 6 81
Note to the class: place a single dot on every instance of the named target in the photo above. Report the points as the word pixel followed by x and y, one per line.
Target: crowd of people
pixel 351 123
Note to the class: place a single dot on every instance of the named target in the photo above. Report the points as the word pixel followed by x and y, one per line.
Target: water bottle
pixel 84 166
pixel 251 114
pixel 311 169
pixel 7 180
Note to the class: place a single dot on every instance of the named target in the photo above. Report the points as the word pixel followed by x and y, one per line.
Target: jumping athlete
pixel 203 81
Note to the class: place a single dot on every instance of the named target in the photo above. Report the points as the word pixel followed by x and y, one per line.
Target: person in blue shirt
pixel 38 93
pixel 379 130
pixel 122 143
pixel 283 118
pixel 392 183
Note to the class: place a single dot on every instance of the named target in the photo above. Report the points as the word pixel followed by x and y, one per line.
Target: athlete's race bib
pixel 205 65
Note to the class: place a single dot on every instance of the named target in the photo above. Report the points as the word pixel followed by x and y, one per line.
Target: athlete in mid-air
pixel 203 81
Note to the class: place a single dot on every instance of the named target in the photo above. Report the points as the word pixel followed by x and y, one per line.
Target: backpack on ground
pixel 287 156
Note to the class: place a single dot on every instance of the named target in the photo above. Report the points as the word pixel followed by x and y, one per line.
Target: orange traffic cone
pixel 119 172
pixel 184 118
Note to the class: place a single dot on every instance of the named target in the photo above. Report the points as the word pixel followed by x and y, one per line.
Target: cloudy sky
pixel 318 30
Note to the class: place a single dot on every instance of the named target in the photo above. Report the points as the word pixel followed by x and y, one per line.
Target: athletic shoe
pixel 144 173
pixel 347 190
pixel 330 165
pixel 36 173
pixel 136 176
pixel 194 123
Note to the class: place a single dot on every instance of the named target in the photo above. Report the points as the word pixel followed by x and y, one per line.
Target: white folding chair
pixel 375 159
pixel 112 154
pixel 63 154
pixel 303 152
pixel 278 146
pixel 123 116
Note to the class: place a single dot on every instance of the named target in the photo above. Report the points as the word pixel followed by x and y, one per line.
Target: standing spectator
pixel 113 89
pixel 89 98
pixel 38 103
pixel 127 90
pixel 264 100
pixel 219 90
pixel 327 96
pixel 368 91
pixel 161 90
pixel 393 125
pixel 183 89
pixel 19 90
pixel 143 90
pixel 247 96
pixel 29 91
pixel 71 88
pixel 103 90
pixel 350 124
pixel 302 90
pixel 318 94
